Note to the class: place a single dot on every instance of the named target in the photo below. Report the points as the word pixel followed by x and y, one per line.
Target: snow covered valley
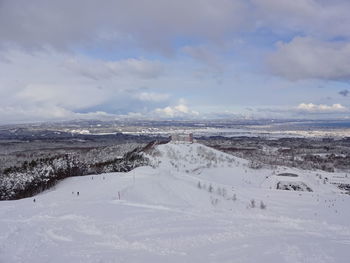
pixel 192 204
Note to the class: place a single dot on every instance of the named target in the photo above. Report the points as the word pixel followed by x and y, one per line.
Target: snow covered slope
pixel 194 204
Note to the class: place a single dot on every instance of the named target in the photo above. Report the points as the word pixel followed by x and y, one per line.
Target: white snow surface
pixel 167 213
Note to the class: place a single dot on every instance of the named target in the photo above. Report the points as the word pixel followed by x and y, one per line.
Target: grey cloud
pixel 40 75
pixel 155 23
pixel 206 56
pixel 307 58
pixel 344 92
pixel 98 69
pixel 318 18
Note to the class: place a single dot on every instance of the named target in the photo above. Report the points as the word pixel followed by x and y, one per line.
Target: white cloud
pixel 48 83
pixel 321 108
pixel 180 110
pixel 305 58
pixel 46 112
pixel 152 96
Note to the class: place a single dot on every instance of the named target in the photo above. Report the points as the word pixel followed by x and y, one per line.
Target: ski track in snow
pixel 163 216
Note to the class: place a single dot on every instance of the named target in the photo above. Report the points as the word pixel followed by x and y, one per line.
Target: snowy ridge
pixel 193 204
pixel 205 163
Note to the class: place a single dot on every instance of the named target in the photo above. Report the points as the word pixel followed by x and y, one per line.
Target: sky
pixel 165 59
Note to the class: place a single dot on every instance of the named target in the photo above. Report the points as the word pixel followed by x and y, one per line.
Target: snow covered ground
pixel 194 204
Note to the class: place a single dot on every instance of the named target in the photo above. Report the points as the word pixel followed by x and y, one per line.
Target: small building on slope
pixel 182 138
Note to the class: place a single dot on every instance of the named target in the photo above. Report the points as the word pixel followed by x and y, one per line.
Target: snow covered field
pixel 194 204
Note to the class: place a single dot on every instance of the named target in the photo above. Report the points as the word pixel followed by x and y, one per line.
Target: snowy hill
pixel 193 204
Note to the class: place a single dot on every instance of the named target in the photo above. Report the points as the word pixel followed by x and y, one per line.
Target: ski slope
pixel 193 204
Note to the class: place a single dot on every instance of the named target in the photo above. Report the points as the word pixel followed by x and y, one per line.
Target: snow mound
pixel 207 164
pixel 193 204
pixel 188 157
